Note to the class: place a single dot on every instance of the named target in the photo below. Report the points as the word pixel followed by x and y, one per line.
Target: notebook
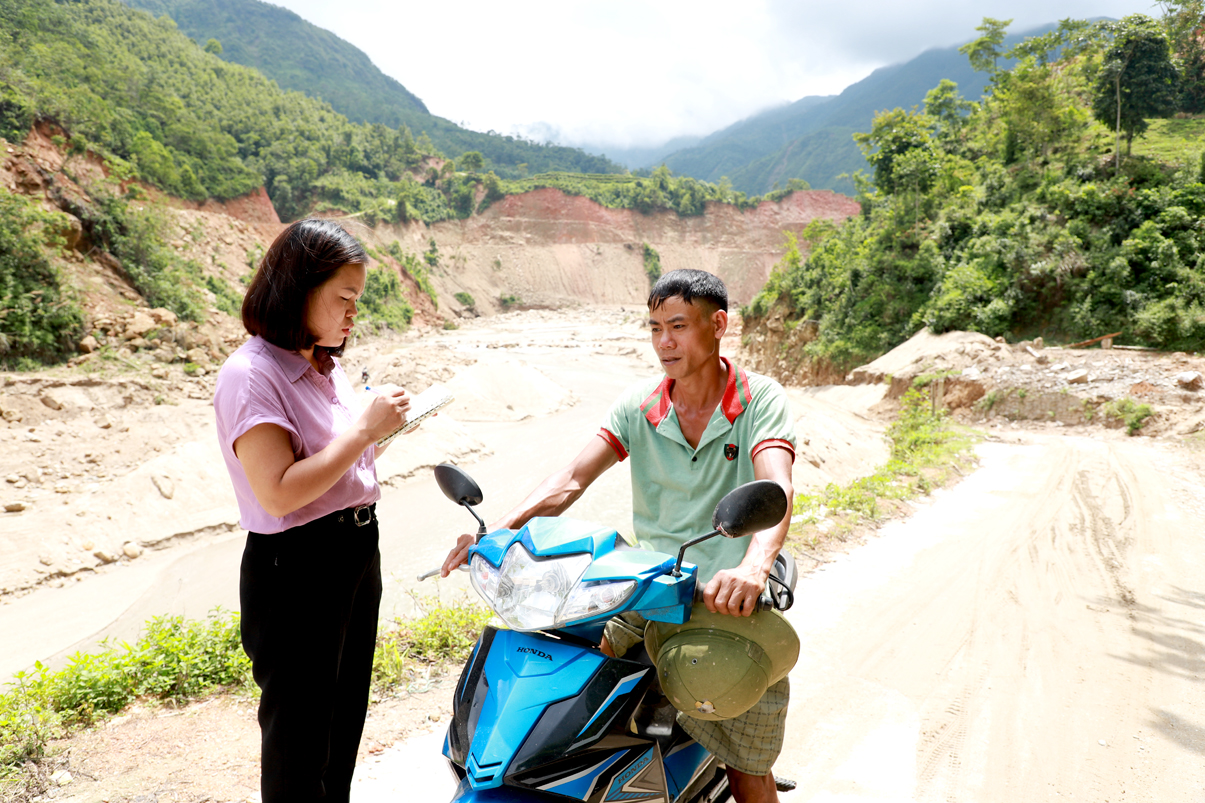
pixel 422 407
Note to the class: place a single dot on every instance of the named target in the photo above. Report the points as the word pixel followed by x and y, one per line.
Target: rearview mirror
pixel 457 485
pixel 751 508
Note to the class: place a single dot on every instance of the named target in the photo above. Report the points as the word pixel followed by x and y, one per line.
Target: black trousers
pixel 310 599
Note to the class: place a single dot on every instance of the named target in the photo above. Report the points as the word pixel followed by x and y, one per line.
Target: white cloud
pixel 636 72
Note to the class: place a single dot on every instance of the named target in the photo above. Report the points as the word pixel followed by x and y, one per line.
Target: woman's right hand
pixel 386 411
pixel 459 554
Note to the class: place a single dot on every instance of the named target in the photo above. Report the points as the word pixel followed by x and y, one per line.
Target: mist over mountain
pixel 647 156
pixel 809 139
pixel 301 56
pixel 812 138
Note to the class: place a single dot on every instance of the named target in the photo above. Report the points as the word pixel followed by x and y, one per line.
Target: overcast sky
pixel 627 73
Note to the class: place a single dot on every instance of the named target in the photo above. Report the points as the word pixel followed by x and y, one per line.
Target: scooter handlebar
pixel 464 567
pixel 764 603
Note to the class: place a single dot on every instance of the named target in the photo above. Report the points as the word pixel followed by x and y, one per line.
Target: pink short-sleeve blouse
pixel 264 384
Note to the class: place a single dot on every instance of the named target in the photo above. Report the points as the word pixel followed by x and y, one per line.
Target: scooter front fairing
pixel 540 712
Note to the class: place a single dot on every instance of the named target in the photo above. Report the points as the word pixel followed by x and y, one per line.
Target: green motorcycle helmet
pixel 717 666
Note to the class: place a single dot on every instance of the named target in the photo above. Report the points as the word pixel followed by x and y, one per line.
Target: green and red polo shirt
pixel 675 488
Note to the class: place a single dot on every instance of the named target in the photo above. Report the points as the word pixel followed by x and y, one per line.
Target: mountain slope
pixel 727 150
pixel 809 138
pixel 296 54
pixel 303 57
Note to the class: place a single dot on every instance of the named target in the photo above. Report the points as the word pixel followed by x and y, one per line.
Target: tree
pixel 472 161
pixel 984 52
pixel 1039 48
pixel 947 108
pixel 1077 37
pixel 892 134
pixel 1137 80
pixel 1039 114
pixel 1185 24
pixel 213 46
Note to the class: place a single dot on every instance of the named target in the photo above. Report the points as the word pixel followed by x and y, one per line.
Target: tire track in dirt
pixel 1038 636
pixel 1006 556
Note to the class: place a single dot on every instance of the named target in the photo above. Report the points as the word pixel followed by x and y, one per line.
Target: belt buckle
pixel 361 520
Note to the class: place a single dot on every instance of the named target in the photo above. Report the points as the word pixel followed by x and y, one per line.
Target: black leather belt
pixel 359 516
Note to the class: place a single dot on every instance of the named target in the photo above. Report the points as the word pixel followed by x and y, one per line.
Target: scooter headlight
pixel 531 594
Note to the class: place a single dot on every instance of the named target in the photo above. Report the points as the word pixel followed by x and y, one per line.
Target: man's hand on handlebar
pixel 459 554
pixel 734 591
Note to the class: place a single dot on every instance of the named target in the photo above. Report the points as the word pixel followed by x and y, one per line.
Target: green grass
pixel 411 650
pixel 925 450
pixel 1172 141
pixel 177 660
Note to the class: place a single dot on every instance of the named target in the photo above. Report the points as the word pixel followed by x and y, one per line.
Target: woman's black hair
pixel 689 284
pixel 301 258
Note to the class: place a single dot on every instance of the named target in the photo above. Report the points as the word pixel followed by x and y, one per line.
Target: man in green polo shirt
pixel 695 434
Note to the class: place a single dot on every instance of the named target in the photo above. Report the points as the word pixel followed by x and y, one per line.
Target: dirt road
pixel 1036 632
pixel 530 388
pixel 1033 634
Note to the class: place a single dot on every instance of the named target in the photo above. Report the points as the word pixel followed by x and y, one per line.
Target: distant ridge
pixel 298 55
pixel 811 138
pixel 303 57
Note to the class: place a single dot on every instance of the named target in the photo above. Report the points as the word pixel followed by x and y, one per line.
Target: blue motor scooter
pixel 540 712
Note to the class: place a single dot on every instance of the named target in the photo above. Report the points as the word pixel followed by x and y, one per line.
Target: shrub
pixel 383 302
pixel 40 318
pixel 415 269
pixel 137 236
pixel 652 264
pixel 922 448
pixel 175 659
pixel 1129 412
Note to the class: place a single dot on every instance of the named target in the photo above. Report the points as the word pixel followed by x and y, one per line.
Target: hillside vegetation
pixel 121 89
pixel 159 106
pixel 295 53
pixel 1023 214
pixel 301 56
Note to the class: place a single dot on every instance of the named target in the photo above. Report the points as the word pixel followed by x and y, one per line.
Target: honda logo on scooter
pixel 533 651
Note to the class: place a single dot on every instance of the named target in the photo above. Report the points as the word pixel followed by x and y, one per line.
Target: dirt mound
pixel 982 378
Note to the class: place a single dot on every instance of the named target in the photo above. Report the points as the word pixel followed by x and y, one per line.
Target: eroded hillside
pixel 103 450
pixel 541 248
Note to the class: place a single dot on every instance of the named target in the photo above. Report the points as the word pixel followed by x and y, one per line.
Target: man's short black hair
pixel 302 258
pixel 689 284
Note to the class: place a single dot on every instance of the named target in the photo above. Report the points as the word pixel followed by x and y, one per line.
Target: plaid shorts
pixel 749 743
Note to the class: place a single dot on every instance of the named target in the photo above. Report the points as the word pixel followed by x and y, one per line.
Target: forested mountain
pixel 131 102
pixel 138 91
pixel 295 54
pixel 303 57
pixel 811 139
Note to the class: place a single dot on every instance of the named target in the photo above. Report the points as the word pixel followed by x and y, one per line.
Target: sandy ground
pixel 1034 633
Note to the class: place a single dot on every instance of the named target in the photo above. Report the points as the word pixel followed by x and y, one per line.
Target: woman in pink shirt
pixel 301 458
